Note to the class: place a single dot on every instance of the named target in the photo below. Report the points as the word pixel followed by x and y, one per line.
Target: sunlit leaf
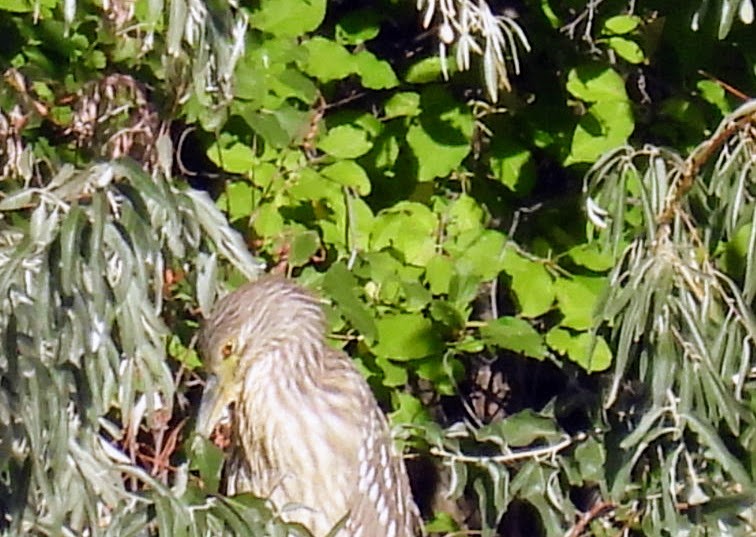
pixel 289 18
pixel 406 337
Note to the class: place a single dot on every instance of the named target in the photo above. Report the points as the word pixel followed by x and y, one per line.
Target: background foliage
pixel 533 223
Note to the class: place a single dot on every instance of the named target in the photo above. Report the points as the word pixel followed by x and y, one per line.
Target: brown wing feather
pixel 382 505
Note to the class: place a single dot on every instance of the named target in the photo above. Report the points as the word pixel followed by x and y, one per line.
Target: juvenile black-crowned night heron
pixel 306 430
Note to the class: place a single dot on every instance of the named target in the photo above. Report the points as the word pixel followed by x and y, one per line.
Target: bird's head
pixel 244 329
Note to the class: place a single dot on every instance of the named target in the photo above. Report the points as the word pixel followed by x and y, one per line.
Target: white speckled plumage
pixel 307 431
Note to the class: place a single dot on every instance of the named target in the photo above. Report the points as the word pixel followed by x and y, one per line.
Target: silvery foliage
pixel 83 365
pixel 83 255
pixel 726 12
pixel 471 28
pixel 684 331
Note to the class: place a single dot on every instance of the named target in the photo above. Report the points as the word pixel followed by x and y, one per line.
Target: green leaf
pixel 514 334
pixel 375 73
pixel 341 286
pixel 268 126
pixel 440 140
pixel 416 296
pixel 512 164
pixel 446 313
pixel 310 185
pixel 208 460
pixel 406 337
pixel 594 83
pixel 16 6
pixel 349 173
pixel 239 199
pixel 404 103
pixel 267 221
pixel 627 49
pixel 289 18
pixel 465 214
pixel 96 59
pixel 606 126
pixel 436 159
pixel 186 356
pixel 591 257
pixel 438 273
pixel 382 269
pixel 470 345
pixel 358 26
pixel 559 339
pixel 520 430
pixel 484 257
pixel 345 142
pixel 292 83
pixel 714 93
pixel 577 299
pixel 425 71
pixel 463 288
pixel 531 284
pixel 393 375
pixel 327 60
pixel 294 122
pixel 303 247
pixel 591 459
pixel 263 174
pixel 442 523
pixel 578 346
pixel 621 24
pixel 234 159
pixel 437 370
pixel 410 228
pixel 409 409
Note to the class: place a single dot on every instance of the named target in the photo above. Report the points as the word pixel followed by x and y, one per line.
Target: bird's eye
pixel 227 350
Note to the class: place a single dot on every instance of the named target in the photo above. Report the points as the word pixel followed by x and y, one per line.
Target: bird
pixel 306 431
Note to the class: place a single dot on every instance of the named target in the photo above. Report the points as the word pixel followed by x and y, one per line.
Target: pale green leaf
pixel 345 142
pixel 328 60
pixel 577 299
pixel 531 283
pixel 627 49
pixel 438 273
pixel 405 103
pixel 349 173
pixel 512 164
pixel 236 158
pixel 375 73
pixel 595 83
pixel 290 18
pixel 607 125
pixel 267 221
pixel 406 337
pixel 621 24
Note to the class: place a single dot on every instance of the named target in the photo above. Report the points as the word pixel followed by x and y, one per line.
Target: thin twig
pixel 511 457
pixel 585 519
pixel 698 159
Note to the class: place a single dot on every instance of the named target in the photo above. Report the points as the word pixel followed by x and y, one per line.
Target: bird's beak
pixel 214 401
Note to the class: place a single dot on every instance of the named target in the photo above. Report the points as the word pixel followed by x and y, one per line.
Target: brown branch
pixel 697 160
pixel 725 86
pixel 596 510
